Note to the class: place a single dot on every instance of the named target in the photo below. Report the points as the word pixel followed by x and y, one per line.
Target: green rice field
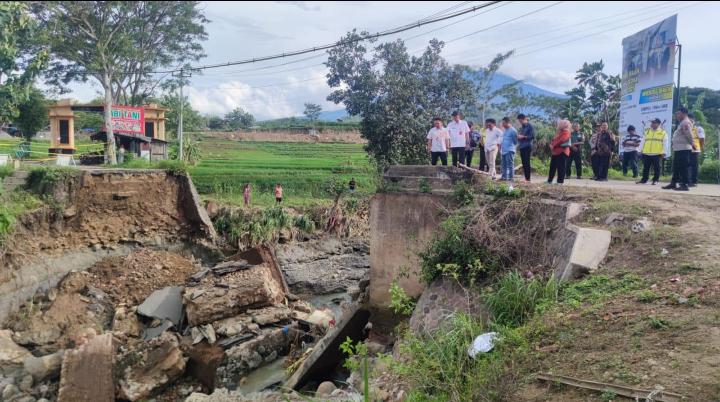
pixel 302 168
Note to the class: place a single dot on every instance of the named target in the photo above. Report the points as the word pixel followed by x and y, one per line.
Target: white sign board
pixel 648 78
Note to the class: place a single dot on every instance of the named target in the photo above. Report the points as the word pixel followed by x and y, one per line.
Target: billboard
pixel 648 78
pixel 128 120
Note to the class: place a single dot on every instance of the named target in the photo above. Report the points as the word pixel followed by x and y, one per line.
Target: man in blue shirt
pixel 509 141
pixel 525 139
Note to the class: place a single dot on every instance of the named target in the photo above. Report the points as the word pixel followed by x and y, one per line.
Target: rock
pixel 237 292
pixel 12 355
pixel 641 225
pixel 157 330
pixel 375 348
pixel 614 217
pixel 208 333
pixel 26 383
pixel 204 360
pixel 212 209
pixel 149 366
pixel 247 356
pixel 325 389
pixel 87 372
pixel 44 368
pixel 126 321
pixel 682 300
pixel 10 391
pixel 164 304
pixel 270 315
pixel 442 299
pixel 232 326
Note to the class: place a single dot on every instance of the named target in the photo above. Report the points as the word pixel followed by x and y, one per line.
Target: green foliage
pixel 396 94
pixel 515 299
pixel 597 288
pixel 6 171
pixel 400 302
pixel 13 205
pixel 658 322
pixel 463 194
pixel 238 119
pixel 647 296
pixel 33 114
pixel 304 223
pixel 216 123
pixel 192 120
pixel 709 172
pixel 438 367
pixel 608 396
pixel 21 58
pixel 257 227
pixel 454 254
pixel 424 185
pixel 41 180
pixel 596 98
pixel 312 112
pixel 501 190
pixel 357 359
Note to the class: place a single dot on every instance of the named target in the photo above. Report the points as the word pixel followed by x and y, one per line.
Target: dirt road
pixel 711 190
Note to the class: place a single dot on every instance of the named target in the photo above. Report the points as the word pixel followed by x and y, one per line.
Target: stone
pixel 149 366
pixel 164 304
pixel 374 348
pixel 87 372
pixel 45 367
pixel 440 301
pixel 614 217
pixel 588 249
pixel 26 383
pixel 237 292
pixel 325 389
pixel 641 225
pixel 247 356
pixel 155 331
pixel 270 315
pixel 12 355
pixel 10 391
pixel 203 362
pixel 212 208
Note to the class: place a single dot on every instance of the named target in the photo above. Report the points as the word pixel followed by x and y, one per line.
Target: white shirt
pixel 493 138
pixel 457 131
pixel 439 137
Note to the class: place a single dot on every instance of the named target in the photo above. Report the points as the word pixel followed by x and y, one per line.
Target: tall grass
pixel 515 299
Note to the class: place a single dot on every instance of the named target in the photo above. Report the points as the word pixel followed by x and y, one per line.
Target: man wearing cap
pixel 652 149
pixel 459 138
pixel 630 144
pixel 682 146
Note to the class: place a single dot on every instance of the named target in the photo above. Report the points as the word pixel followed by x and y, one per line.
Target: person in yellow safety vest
pixel 653 149
pixel 699 139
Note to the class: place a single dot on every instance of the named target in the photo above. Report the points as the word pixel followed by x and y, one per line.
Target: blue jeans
pixel 508 165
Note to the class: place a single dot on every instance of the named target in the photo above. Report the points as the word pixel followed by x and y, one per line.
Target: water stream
pixel 264 377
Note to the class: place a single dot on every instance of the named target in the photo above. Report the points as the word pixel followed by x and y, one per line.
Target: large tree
pixel 596 98
pixel 33 114
pixel 21 59
pixel 396 94
pixel 120 45
pixel 239 118
pixel 312 112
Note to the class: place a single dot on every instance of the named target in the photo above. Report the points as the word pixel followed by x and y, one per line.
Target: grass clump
pixel 15 204
pixel 5 171
pixel 257 227
pixel 41 180
pixel 515 299
pixel 647 296
pixel 400 302
pixel 597 288
pixel 463 194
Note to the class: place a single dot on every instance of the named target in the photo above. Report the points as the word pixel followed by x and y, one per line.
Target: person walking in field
pixel 459 132
pixel 560 146
pixel 493 143
pixel 682 145
pixel 509 142
pixel 577 140
pixel 246 195
pixel 438 142
pixel 630 144
pixel 652 150
pixel 278 193
pixel 525 141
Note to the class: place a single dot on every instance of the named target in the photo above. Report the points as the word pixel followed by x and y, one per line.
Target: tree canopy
pixel 33 114
pixel 312 111
pixel 239 118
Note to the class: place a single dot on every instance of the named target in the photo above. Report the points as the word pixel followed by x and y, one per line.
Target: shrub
pixel 463 194
pixel 42 179
pixel 5 171
pixel 515 299
pixel 709 172
pixel 304 223
pixel 400 302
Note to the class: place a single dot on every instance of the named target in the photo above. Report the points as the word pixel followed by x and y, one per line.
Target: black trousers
pixel 594 164
pixel 681 160
pixel 575 157
pixel 434 156
pixel 468 157
pixel 630 161
pixel 558 164
pixel 483 163
pixel 694 167
pixel 458 155
pixel 651 161
pixel 525 158
pixel 603 162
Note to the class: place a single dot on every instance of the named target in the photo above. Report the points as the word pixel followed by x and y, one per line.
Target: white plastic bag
pixel 482 344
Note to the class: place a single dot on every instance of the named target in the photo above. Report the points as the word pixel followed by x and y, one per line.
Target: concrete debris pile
pixel 148 330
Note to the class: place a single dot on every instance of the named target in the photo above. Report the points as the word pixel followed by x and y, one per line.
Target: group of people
pixel 461 140
pixel 247 189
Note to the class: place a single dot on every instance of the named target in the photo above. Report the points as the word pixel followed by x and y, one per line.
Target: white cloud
pixel 303 5
pixel 553 80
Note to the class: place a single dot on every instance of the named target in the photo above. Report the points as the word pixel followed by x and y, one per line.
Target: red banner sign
pixel 128 120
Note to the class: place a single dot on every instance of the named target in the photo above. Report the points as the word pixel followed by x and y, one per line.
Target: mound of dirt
pixel 132 278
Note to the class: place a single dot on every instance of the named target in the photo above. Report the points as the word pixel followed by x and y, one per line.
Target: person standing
pixel 121 154
pixel 682 145
pixel 593 155
pixel 630 144
pixel 278 193
pixel 351 185
pixel 525 142
pixel 652 149
pixel 576 143
pixel 474 141
pixel 560 146
pixel 246 195
pixel 699 141
pixel 481 150
pixel 604 149
pixel 438 142
pixel 459 138
pixel 509 142
pixel 493 141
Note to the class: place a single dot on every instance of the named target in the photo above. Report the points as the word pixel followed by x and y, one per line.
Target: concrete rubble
pixel 87 372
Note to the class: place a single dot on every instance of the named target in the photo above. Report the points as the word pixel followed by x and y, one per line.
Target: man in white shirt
pixel 493 141
pixel 438 142
pixel 459 138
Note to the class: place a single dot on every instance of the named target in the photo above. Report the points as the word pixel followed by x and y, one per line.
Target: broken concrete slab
pixel 203 362
pixel 589 248
pixel 149 366
pixel 45 367
pixel 230 266
pixel 87 372
pixel 12 355
pixel 164 304
pixel 233 294
pixel 270 315
pixel 154 332
pixel 245 357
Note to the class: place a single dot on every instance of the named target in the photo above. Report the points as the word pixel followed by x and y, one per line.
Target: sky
pixel 551 41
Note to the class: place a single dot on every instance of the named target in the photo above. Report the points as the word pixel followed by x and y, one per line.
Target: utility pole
pixel 182 74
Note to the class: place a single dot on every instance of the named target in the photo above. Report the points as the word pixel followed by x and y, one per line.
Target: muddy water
pixel 264 377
